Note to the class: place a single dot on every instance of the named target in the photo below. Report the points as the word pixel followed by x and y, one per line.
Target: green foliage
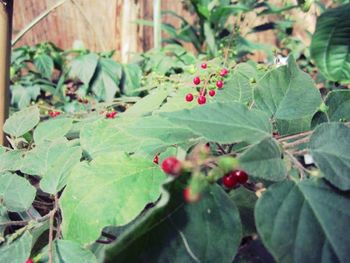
pixel 330 44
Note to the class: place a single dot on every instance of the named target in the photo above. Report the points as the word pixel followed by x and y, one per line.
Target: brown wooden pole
pixel 6 11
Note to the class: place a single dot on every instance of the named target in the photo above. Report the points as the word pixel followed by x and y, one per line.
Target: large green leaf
pixel 330 148
pixel 287 93
pixel 44 65
pixel 238 87
pixel 330 47
pixel 56 176
pixel 105 86
pixel 264 160
pixel 187 230
pixel 65 251
pixel 224 122
pixel 147 104
pixel 132 78
pixel 10 160
pixel 83 67
pixel 338 103
pixel 22 122
pixel 245 201
pixel 52 129
pixel 21 96
pixel 18 251
pixel 104 136
pixel 49 154
pixel 17 193
pixel 110 190
pixel 295 220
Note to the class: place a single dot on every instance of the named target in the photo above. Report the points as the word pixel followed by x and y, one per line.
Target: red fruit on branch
pixel 196 80
pixel 242 176
pixel 156 159
pixel 189 97
pixel 229 180
pixel 204 65
pixel 111 115
pixel 54 114
pixel 201 100
pixel 212 93
pixel 29 260
pixel 189 197
pixel 172 166
pixel 219 84
pixel 223 72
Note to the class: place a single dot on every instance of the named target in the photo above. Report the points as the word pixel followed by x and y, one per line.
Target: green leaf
pixel 237 87
pixel 105 136
pixel 296 219
pixel 132 78
pixel 17 251
pixel 287 127
pixel 65 251
pixel 223 122
pixel 263 160
pixel 11 160
pixel 330 148
pixel 210 38
pixel 127 183
pixel 287 93
pixel 56 176
pixel 245 201
pixel 147 104
pixel 45 155
pixel 105 86
pixel 52 129
pixel 22 122
pixel 22 96
pixel 330 44
pixel 188 232
pixel 44 64
pixel 338 103
pixel 17 193
pixel 83 67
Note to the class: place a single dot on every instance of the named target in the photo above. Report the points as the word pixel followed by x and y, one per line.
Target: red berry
pixel 229 180
pixel 189 197
pixel 212 93
pixel 29 260
pixel 201 100
pixel 156 159
pixel 54 114
pixel 219 84
pixel 189 97
pixel 240 175
pixel 196 80
pixel 223 72
pixel 171 165
pixel 204 65
pixel 111 115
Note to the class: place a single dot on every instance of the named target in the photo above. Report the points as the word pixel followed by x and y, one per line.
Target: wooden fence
pixel 109 24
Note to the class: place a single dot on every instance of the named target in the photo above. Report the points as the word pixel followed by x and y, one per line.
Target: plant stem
pixel 297 142
pixel 52 219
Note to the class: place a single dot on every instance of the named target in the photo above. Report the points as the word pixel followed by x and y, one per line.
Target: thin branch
pixel 52 219
pixel 36 21
pixel 297 142
pixel 298 165
pixel 294 136
pixel 25 222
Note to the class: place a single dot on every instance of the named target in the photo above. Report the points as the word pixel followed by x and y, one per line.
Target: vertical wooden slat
pixel 6 9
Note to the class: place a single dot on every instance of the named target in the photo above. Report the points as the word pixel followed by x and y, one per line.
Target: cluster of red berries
pixel 54 114
pixel 202 93
pixel 111 115
pixel 234 177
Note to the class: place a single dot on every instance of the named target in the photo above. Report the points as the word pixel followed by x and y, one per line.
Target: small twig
pixel 297 142
pixel 25 222
pixel 221 148
pixel 298 165
pixel 294 136
pixel 301 152
pixel 52 219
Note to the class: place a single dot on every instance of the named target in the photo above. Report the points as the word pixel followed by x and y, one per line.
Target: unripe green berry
pixel 227 163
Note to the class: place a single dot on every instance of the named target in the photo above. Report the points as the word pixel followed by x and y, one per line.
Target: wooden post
pixel 6 10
